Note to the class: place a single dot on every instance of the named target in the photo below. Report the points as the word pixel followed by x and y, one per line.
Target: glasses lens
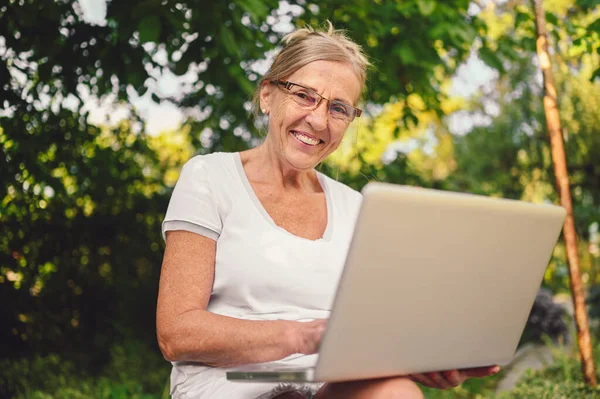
pixel 309 98
pixel 304 97
pixel 339 110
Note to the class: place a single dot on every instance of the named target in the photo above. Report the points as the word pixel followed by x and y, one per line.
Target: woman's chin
pixel 302 161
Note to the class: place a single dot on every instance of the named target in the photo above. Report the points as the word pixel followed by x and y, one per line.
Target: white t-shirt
pixel 262 271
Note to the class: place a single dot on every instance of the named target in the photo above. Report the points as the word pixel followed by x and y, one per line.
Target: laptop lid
pixel 435 280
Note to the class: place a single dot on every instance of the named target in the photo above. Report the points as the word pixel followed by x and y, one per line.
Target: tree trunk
pixel 562 183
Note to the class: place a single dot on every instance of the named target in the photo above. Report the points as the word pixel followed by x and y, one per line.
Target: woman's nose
pixel 319 116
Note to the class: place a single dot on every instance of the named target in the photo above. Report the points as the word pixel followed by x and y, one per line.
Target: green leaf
pixel 44 71
pixel 595 25
pixel 491 59
pixel 245 84
pixel 406 54
pixel 522 18
pixel 507 49
pixel 229 41
pixel 149 29
pixel 462 34
pixel 528 44
pixel 551 18
pixel 409 119
pixel 145 7
pixel 426 7
pixel 255 8
pixel 588 4
pixel 142 90
pixel 135 79
pixel 181 68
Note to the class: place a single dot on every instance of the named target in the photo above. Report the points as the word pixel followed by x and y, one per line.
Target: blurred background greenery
pixel 454 102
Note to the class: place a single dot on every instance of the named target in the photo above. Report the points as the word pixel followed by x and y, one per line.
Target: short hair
pixel 306 45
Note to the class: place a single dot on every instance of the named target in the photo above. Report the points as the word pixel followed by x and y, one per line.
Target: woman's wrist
pixel 293 337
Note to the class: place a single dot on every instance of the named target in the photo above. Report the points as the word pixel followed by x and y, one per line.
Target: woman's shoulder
pixel 342 192
pixel 213 162
pixel 217 170
pixel 216 165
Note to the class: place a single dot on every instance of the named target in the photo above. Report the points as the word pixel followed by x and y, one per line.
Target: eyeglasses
pixel 310 99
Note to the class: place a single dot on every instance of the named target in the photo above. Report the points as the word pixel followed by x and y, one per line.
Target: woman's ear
pixel 265 97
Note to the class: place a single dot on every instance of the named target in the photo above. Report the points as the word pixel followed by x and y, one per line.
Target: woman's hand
pixel 452 378
pixel 308 335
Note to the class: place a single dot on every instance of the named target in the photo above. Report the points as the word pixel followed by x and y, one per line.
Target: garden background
pixel 454 103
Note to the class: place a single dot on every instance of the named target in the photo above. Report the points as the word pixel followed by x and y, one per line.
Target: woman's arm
pixel 187 331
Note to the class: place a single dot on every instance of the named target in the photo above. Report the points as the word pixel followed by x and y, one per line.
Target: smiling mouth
pixel 311 141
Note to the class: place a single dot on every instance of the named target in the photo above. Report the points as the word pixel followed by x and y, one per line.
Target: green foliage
pixel 542 385
pixel 134 371
pixel 59 54
pixel 561 379
pixel 80 207
pixel 519 164
pixel 591 33
pixel 138 372
pixel 80 235
pixel 408 41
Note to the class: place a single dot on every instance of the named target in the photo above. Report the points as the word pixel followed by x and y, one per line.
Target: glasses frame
pixel 287 85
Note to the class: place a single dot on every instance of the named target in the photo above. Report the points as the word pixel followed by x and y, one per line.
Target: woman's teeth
pixel 306 139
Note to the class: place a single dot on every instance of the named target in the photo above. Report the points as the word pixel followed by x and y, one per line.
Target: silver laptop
pixel 433 280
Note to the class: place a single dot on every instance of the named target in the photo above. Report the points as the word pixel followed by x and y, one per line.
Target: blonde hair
pixel 306 45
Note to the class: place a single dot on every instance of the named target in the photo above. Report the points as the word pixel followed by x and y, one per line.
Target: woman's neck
pixel 263 164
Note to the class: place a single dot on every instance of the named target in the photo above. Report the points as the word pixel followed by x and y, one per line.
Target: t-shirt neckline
pixel 261 209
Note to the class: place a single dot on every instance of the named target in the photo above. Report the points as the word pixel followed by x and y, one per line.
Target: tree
pixel 562 182
pixel 81 205
pixel 520 165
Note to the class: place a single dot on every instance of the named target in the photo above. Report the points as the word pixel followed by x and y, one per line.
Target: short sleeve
pixel 193 205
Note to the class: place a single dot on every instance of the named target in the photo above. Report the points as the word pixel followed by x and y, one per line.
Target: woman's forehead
pixel 333 79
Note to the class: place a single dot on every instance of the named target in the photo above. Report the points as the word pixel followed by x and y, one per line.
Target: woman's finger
pixel 480 371
pixel 423 380
pixel 453 377
pixel 439 380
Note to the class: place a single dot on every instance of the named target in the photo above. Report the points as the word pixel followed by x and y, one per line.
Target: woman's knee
pixel 396 388
pixel 392 388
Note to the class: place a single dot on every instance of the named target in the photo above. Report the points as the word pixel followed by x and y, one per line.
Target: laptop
pixel 433 280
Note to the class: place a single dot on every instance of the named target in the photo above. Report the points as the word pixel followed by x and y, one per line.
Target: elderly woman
pixel 256 241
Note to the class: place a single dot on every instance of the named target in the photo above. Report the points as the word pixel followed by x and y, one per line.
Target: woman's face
pixel 303 137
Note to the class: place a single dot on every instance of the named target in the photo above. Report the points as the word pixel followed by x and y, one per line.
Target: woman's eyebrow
pixel 342 101
pixel 331 99
pixel 304 85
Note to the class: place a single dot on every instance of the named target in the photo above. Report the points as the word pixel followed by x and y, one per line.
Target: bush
pixel 134 372
pixel 138 372
pixel 562 379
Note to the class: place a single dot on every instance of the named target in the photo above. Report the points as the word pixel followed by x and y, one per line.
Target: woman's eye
pixel 304 96
pixel 339 109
